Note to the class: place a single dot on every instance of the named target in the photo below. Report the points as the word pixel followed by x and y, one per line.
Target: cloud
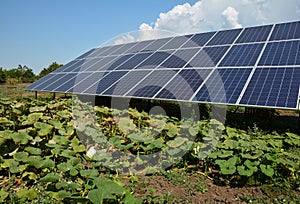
pixel 208 15
pixel 231 17
pixel 127 38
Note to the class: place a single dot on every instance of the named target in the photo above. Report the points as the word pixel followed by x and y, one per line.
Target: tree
pixel 23 74
pixel 49 69
pixel 2 76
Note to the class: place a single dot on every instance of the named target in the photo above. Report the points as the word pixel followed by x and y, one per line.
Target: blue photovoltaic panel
pixel 175 42
pixel 198 40
pixel 134 61
pixel 41 81
pixel 154 60
pixel 84 84
pixel 109 50
pixel 215 67
pixel 88 54
pixel 286 31
pixel 180 58
pixel 117 62
pixel 102 64
pixel 273 87
pixel 140 46
pixel 281 53
pixel 152 83
pixel 224 86
pixel 208 57
pixel 184 85
pixel 61 78
pixel 255 34
pixel 69 84
pixel 242 55
pixel 156 45
pixel 126 83
pixel 104 83
pixel 123 49
pixel 225 37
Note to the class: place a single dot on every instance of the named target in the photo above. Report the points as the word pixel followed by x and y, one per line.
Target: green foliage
pixel 52 67
pixel 40 148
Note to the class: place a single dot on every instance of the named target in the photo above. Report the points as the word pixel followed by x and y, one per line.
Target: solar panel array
pixel 254 66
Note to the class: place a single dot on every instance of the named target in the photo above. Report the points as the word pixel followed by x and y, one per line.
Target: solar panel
pixel 256 66
pixel 273 87
pixel 224 86
pixel 242 55
pixel 255 34
pixel 208 57
pixel 198 40
pixel 152 83
pixel 286 31
pixel 225 37
pixel 184 85
pixel 281 53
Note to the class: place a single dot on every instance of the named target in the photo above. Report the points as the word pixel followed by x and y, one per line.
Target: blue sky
pixel 36 33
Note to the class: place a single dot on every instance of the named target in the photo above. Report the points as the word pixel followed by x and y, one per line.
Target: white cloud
pixel 231 17
pixel 127 38
pixel 208 15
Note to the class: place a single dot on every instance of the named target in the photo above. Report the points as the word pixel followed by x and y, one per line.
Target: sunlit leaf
pixel 44 128
pixel 267 170
pixel 51 177
pixel 33 150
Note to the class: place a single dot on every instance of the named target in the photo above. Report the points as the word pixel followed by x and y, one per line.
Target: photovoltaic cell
pixel 223 86
pixel 41 81
pixel 184 85
pixel 102 64
pixel 134 61
pixel 198 40
pixel 84 84
pixel 88 54
pixel 242 55
pixel 45 83
pixel 152 83
pixel 175 42
pixel 126 83
pixel 58 81
pixel 285 31
pixel 273 87
pixel 123 49
pixel 117 62
pixel 208 57
pixel 140 46
pixel 69 84
pixel 156 45
pixel 225 37
pixel 104 83
pixel 255 34
pixel 180 58
pixel 281 53
pixel 154 60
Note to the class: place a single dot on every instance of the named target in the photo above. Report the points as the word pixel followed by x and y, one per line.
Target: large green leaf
pixel 177 142
pixel 26 194
pixel 32 118
pixel 3 195
pixel 107 190
pixel 5 121
pixel 126 125
pixel 172 130
pixel 228 166
pixel 248 168
pixel 33 150
pixel 21 138
pixel 56 124
pixel 21 156
pixel 43 128
pixel 37 109
pixel 51 177
pixel 267 170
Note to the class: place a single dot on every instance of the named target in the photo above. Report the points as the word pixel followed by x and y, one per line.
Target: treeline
pixel 23 74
